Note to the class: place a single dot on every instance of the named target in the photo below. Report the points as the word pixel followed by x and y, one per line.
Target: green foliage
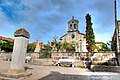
pixel 57 46
pixel 90 37
pixel 103 47
pixel 68 47
pixel 0 44
pixel 64 45
pixel 7 46
pixel 30 48
pixel 47 48
pixel 45 52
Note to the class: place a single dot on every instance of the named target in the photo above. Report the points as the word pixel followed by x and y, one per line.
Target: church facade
pixel 74 35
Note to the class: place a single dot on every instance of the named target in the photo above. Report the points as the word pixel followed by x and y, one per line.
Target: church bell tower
pixel 73 25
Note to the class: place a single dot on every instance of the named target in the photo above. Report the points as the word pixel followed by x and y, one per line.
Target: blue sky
pixel 46 18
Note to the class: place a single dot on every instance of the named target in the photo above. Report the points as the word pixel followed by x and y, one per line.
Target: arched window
pixel 75 26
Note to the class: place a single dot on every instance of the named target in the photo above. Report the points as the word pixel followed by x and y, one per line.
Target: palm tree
pixel 64 46
pixel 68 47
pixel 57 46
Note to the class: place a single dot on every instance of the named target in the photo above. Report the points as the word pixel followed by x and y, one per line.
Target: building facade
pixel 74 35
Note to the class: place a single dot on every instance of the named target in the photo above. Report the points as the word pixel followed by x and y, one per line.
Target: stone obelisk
pixel 19 51
pixel 37 49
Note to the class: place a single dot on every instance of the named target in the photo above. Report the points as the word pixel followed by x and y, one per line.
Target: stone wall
pixel 44 61
pixel 80 57
pixel 7 55
pixel 104 62
pixel 107 58
pixel 34 55
pixel 77 55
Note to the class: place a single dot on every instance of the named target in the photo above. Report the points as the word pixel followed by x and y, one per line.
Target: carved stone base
pixel 15 74
pixel 15 71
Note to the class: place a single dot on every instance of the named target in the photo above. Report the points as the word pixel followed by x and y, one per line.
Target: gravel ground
pixel 47 72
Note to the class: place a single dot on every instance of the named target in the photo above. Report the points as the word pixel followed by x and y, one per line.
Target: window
pixel 74 26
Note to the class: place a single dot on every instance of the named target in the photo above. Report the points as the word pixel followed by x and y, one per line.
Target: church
pixel 74 35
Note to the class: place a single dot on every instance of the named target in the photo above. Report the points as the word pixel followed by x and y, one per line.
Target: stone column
pixel 19 51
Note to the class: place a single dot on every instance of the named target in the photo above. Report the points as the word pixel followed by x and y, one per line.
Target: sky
pixel 46 18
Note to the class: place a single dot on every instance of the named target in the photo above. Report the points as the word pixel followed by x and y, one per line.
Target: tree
pixel 68 47
pixel 30 48
pixel 45 52
pixel 104 47
pixel 90 37
pixel 0 44
pixel 57 44
pixel 7 46
pixel 71 47
pixel 64 46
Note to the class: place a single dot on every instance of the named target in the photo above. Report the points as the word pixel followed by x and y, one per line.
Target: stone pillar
pixel 19 51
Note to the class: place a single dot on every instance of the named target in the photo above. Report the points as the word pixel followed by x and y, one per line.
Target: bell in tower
pixel 73 24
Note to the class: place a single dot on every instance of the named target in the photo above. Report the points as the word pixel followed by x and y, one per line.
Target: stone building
pixel 74 35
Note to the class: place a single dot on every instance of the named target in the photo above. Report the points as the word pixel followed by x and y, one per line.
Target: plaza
pixel 49 72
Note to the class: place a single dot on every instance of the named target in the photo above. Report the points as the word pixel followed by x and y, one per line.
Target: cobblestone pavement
pixel 45 72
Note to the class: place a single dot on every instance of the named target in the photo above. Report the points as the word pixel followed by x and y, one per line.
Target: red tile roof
pixel 98 42
pixel 6 39
pixel 41 45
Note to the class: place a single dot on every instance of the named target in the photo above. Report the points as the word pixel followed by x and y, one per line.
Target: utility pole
pixel 117 34
pixel 116 26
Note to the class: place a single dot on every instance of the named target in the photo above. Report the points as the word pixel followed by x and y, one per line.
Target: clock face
pixel 72 36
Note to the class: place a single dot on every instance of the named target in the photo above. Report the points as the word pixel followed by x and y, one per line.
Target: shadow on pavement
pixel 59 76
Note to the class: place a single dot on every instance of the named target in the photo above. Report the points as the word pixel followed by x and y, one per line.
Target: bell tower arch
pixel 73 25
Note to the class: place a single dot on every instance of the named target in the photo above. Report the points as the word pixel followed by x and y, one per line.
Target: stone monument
pixel 37 49
pixel 19 51
pixel 17 67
